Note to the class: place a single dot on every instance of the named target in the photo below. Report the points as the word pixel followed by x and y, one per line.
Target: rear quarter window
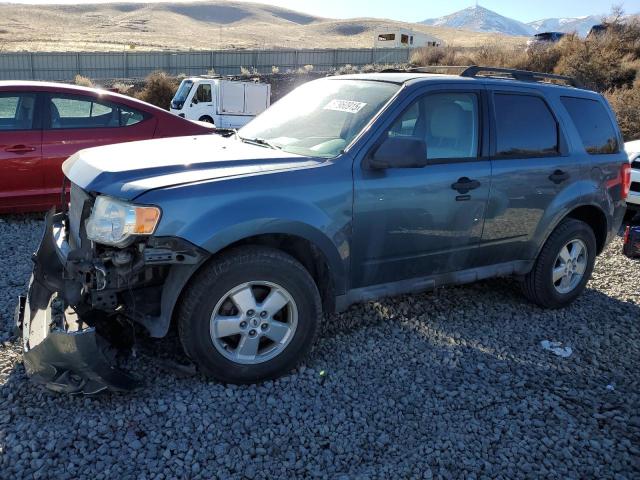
pixel 594 125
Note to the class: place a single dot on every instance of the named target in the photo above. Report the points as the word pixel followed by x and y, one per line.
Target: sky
pixel 416 10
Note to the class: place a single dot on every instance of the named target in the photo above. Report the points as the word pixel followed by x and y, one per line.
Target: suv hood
pixel 127 170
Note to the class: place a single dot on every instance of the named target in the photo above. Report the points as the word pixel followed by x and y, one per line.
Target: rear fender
pixel 578 194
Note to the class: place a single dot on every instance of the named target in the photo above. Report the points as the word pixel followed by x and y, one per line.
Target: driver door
pixel 418 222
pixel 202 103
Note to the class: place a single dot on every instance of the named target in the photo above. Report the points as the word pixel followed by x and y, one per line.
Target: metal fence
pixel 133 64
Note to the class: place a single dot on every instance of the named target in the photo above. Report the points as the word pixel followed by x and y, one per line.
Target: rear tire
pixel 250 315
pixel 563 267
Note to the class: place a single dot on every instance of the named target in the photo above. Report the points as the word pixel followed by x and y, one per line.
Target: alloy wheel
pixel 570 266
pixel 254 322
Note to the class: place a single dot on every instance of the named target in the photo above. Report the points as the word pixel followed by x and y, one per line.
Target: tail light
pixel 626 235
pixel 625 173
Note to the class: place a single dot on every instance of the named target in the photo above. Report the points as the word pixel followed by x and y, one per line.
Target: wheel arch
pixel 323 262
pixel 596 219
pixel 591 214
pixel 306 252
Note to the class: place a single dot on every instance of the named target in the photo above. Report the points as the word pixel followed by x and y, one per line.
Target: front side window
pixel 404 39
pixel 525 126
pixel 447 122
pixel 320 118
pixel 203 94
pixel 86 112
pixel 593 124
pixel 17 111
pixel 387 37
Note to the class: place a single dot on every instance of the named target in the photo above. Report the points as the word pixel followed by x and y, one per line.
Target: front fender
pixel 335 249
pixel 320 214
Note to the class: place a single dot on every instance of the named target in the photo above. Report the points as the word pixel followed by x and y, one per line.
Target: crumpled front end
pixel 61 349
pixel 83 299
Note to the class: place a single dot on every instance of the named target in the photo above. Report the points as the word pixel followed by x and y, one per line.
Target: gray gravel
pixel 452 384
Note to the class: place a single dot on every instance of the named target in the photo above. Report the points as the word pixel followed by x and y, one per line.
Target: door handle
pixel 558 176
pixel 465 185
pixel 20 149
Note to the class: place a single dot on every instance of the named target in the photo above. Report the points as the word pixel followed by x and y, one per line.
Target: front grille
pixel 78 199
pixel 635 186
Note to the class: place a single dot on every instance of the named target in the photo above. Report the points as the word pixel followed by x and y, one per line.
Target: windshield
pixel 183 91
pixel 320 118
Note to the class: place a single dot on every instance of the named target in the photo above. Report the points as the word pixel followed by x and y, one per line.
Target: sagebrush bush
pixel 626 103
pixel 159 88
pixel 427 56
pixel 346 70
pixel 83 81
pixel 122 88
pixel 597 63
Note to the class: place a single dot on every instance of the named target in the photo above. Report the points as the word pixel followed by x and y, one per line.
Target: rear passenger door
pixel 531 167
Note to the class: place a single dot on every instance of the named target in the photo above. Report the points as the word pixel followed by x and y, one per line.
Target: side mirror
pixel 194 101
pixel 399 152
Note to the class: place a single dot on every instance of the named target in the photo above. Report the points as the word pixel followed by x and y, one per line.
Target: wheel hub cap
pixel 253 322
pixel 570 266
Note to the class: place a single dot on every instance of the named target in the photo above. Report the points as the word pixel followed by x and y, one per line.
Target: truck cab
pixel 224 103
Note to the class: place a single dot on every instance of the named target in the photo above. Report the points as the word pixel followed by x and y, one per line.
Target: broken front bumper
pixel 61 350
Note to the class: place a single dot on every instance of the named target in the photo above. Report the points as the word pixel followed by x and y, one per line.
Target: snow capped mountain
pixel 480 19
pixel 582 25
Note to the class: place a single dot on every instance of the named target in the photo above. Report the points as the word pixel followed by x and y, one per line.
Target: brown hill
pixel 197 26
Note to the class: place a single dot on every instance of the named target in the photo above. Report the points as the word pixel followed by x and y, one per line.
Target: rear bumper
pixel 61 350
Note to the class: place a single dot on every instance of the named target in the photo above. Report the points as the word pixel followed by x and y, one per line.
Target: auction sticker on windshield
pixel 348 106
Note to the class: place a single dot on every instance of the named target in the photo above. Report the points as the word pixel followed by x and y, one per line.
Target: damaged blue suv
pixel 348 189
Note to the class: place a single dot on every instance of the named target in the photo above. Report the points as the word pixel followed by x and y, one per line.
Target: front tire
pixel 563 267
pixel 250 315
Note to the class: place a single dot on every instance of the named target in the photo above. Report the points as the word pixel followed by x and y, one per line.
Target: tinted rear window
pixel 525 126
pixel 594 125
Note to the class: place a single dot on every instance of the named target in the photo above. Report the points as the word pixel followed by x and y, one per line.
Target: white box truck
pixel 225 103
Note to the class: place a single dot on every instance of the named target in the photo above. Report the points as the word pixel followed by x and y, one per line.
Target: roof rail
pixel 475 71
pixel 443 69
pixel 521 75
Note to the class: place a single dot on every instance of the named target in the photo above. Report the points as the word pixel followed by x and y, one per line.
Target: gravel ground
pixel 452 384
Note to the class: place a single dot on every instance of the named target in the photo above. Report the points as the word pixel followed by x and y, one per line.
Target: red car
pixel 41 124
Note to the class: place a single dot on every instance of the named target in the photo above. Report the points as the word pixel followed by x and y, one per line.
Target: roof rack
pixel 475 71
pixel 521 75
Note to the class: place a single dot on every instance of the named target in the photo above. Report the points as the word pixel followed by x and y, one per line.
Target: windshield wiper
pixel 260 141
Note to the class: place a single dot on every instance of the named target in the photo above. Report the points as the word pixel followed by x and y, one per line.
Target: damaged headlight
pixel 114 222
